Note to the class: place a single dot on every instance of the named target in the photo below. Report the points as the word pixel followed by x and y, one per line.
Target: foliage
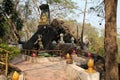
pixel 2 22
pixel 12 51
pixel 44 54
pixel 9 17
pixel 17 21
pixel 58 8
pixel 2 29
pixel 30 12
pixel 95 37
pixel 96 42
pixel 66 3
pixel 98 10
pixel 8 6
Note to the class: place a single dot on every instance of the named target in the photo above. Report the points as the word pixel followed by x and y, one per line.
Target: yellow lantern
pixel 90 66
pixel 67 56
pixel 15 76
pixel 68 59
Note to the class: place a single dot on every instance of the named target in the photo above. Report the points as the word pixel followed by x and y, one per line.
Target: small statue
pixel 45 14
pixel 61 38
pixel 39 42
pixel 72 40
pixel 44 18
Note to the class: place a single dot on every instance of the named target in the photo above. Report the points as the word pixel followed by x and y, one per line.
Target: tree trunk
pixel 111 50
pixel 83 46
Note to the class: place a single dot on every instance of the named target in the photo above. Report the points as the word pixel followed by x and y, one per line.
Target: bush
pixel 12 51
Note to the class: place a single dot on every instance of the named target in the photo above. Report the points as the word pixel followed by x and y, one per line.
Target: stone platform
pixel 53 68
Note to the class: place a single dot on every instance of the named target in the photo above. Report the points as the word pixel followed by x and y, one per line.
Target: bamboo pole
pixel 6 61
pixel 6 70
pixel 2 63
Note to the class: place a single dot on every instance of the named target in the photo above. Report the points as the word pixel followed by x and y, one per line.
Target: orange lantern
pixel 90 66
pixel 15 76
pixel 67 56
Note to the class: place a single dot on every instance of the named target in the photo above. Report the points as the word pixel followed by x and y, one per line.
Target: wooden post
pixel 6 70
pixel 6 61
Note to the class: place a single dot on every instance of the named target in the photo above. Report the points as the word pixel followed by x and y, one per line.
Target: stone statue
pixel 61 38
pixel 72 40
pixel 39 42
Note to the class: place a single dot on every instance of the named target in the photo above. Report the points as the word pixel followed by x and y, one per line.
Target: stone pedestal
pixel 74 57
pixel 77 73
pixel 90 76
pixel 2 77
pixel 31 59
pixel 94 76
pixel 22 76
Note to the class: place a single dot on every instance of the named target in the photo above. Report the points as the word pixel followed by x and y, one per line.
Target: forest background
pixel 25 16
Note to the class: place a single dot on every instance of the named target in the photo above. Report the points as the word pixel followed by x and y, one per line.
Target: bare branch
pixel 16 5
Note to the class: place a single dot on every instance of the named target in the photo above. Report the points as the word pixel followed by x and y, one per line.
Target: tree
pixel 11 22
pixel 58 8
pixel 118 40
pixel 95 40
pixel 110 41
